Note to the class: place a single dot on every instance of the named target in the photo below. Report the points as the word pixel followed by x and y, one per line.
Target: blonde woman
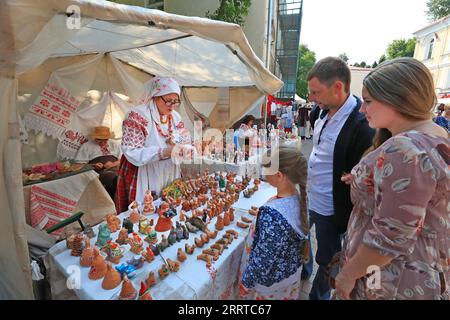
pixel 397 244
pixel 276 245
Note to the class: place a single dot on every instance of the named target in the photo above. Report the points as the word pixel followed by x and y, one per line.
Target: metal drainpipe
pixel 268 45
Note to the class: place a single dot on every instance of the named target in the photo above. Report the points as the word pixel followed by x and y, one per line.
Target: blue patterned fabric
pixel 443 122
pixel 276 248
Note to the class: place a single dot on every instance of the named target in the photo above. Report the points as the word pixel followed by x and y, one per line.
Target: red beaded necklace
pixel 170 132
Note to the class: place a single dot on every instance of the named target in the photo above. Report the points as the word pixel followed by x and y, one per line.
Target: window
pixel 430 49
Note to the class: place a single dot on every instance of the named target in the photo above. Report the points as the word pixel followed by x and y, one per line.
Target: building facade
pixel 433 49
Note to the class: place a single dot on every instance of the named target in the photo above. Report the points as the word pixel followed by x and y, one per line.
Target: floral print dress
pixel 272 263
pixel 401 197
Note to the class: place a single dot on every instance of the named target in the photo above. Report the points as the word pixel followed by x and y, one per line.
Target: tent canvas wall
pixel 197 52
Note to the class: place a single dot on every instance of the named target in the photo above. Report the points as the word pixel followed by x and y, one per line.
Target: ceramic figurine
pixel 113 222
pixel 135 243
pixel 212 252
pixel 88 231
pixel 104 235
pixel 246 220
pixel 127 270
pixel 204 238
pixel 181 256
pixel 98 267
pixel 185 232
pixel 137 262
pixel 211 234
pixel 69 241
pixel 155 249
pixel 219 223
pixel 149 207
pixel 174 266
pixel 151 279
pixel 134 216
pixel 148 255
pixel 242 225
pixel 191 228
pixel 189 249
pixel 253 212
pixel 163 272
pixel 123 236
pixel 231 214
pixel 197 222
pixel 218 247
pixel 198 242
pixel 77 245
pixel 186 206
pixel 144 225
pixel 144 292
pixel 164 243
pixel 114 251
pixel 226 219
pixel 172 238
pixel 229 237
pixel 179 232
pixel 87 257
pixel 223 242
pixel 234 233
pixel 152 237
pixel 182 216
pixel 112 278
pixel 164 221
pixel 128 292
pixel 128 225
pixel 206 258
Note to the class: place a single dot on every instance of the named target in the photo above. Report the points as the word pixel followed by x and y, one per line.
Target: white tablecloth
pixel 250 167
pixel 193 281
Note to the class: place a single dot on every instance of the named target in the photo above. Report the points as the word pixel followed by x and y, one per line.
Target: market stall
pixel 194 279
pixel 85 54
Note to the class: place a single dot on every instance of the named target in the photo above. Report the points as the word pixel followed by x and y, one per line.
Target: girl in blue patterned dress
pixel 276 244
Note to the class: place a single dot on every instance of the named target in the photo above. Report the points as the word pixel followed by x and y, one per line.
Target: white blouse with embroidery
pixel 142 145
pixel 91 150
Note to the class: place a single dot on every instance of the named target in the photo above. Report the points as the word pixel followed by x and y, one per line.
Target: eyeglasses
pixel 168 103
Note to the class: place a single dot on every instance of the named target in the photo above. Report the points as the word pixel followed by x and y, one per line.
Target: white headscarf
pixel 159 86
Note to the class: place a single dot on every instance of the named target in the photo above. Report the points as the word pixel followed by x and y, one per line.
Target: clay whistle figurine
pixel 181 256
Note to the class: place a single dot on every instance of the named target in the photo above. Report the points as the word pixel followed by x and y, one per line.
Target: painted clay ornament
pixel 218 247
pixel 219 223
pixel 189 249
pixel 128 225
pixel 112 278
pixel 144 225
pixel 198 243
pixel 242 225
pixel 113 222
pixel 98 268
pixel 104 235
pixel 226 219
pixel 212 252
pixel 163 272
pixel 148 255
pixel 204 238
pixel 144 292
pixel 87 257
pixel 149 207
pixel 136 244
pixel 234 233
pixel 246 220
pixel 128 292
pixel 174 266
pixel 77 245
pixel 164 222
pixel 151 279
pixel 181 256
pixel 88 231
pixel 123 236
pixel 211 234
pixel 152 237
pixel 134 216
pixel 172 238
pixel 206 258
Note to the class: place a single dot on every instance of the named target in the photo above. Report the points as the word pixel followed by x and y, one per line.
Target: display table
pixel 49 202
pixel 249 167
pixel 194 280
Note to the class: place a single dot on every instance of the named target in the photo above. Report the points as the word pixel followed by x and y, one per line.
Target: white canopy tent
pixel 40 46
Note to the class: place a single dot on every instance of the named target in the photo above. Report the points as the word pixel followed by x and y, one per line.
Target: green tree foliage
pixel 306 61
pixel 374 65
pixel 382 59
pixel 437 9
pixel 233 11
pixel 344 57
pixel 401 48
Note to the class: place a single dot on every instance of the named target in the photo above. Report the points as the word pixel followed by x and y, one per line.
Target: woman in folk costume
pixel 276 245
pixel 149 134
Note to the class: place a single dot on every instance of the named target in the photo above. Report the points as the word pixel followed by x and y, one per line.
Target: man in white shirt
pixel 341 136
